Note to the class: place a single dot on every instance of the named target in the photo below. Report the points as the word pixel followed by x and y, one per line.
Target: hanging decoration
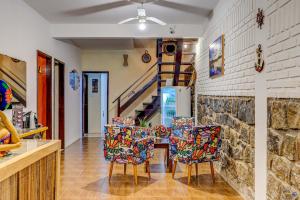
pixel 146 57
pixel 125 58
pixel 259 65
pixel 260 18
pixel 74 79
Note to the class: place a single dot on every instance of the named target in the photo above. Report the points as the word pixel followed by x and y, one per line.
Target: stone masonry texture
pixel 283 182
pixel 236 115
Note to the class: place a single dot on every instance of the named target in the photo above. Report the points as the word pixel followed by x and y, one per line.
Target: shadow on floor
pixel 120 185
pixel 204 183
pixel 161 168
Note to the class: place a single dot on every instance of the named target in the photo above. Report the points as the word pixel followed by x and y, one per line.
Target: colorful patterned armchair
pixel 196 145
pixel 179 124
pixel 128 144
pixel 120 121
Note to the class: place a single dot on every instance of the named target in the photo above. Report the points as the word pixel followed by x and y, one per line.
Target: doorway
pixel 44 91
pixel 59 102
pixel 95 93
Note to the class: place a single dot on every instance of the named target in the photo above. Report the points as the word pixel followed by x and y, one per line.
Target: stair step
pixel 173 63
pixel 154 97
pixel 180 81
pixel 148 105
pixel 172 72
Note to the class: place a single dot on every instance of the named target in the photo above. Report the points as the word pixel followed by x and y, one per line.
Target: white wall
pixel 120 77
pixel 94 105
pixel 23 32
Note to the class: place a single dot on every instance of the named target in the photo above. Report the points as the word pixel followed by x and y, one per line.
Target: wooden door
pixel 44 97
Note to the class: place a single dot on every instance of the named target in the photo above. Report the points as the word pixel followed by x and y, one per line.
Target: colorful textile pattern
pixel 128 144
pixel 119 121
pixel 5 139
pixel 179 124
pixel 6 95
pixel 200 144
pixel 161 131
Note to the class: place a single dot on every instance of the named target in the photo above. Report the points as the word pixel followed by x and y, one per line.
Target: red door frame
pixel 49 90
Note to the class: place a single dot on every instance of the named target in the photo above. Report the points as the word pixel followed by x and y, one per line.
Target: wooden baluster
pixel 119 106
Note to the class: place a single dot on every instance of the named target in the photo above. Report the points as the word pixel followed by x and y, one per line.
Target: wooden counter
pixel 31 172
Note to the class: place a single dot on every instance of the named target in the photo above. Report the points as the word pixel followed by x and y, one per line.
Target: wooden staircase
pixel 177 67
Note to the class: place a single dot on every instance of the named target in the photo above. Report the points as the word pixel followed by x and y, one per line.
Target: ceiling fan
pixel 142 17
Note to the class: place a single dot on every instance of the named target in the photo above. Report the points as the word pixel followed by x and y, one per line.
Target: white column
pixel 261 114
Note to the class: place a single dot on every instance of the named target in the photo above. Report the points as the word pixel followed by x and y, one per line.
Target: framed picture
pixel 216 58
pixel 13 72
pixel 94 85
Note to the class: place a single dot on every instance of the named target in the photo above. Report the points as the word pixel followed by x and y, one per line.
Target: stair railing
pixel 129 95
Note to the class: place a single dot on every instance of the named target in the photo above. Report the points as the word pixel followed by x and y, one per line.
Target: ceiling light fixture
pixel 185 46
pixel 142 26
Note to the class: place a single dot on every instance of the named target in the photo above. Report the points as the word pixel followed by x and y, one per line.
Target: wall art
pixel 216 58
pixel 260 63
pixel 13 72
pixel 74 79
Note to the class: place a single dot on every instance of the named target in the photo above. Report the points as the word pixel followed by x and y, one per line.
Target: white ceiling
pixel 113 11
pixel 112 44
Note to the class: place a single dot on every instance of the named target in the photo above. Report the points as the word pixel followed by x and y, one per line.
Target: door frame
pixel 85 117
pixel 49 89
pixel 61 100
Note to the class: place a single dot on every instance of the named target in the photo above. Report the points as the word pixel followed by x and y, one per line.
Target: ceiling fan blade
pixel 183 7
pixel 128 20
pixel 155 20
pixel 98 8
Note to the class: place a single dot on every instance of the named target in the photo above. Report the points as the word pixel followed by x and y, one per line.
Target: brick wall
pixel 236 20
pixel 283 48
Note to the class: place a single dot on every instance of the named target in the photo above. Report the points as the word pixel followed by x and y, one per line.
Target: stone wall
pixel 236 115
pixel 283 149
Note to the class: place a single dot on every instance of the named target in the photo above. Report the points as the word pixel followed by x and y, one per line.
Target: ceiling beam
pixel 69 31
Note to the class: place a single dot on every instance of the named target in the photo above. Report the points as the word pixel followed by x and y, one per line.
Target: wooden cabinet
pixel 32 172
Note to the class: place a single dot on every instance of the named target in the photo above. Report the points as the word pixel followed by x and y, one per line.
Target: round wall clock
pixel 146 58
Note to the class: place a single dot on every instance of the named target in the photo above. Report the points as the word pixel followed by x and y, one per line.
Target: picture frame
pixel 95 84
pixel 216 58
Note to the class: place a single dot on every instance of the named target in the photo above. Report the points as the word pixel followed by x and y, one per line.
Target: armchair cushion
pixel 200 144
pixel 128 144
pixel 120 121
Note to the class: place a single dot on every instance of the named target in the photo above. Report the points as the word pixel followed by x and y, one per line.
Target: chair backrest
pixel 203 145
pixel 127 144
pixel 161 131
pixel 179 124
pixel 120 121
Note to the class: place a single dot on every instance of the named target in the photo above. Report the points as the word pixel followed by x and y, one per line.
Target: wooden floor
pixel 85 176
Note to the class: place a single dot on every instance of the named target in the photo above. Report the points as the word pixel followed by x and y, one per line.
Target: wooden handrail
pixel 119 97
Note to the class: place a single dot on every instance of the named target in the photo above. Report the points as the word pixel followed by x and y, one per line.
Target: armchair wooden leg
pixel 212 171
pixel 174 168
pixel 135 173
pixel 110 170
pixel 196 166
pixel 148 169
pixel 125 165
pixel 189 173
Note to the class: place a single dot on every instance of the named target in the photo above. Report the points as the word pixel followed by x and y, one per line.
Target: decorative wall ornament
pixel 216 58
pixel 125 62
pixel 74 79
pixel 259 65
pixel 170 48
pixel 146 57
pixel 260 18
